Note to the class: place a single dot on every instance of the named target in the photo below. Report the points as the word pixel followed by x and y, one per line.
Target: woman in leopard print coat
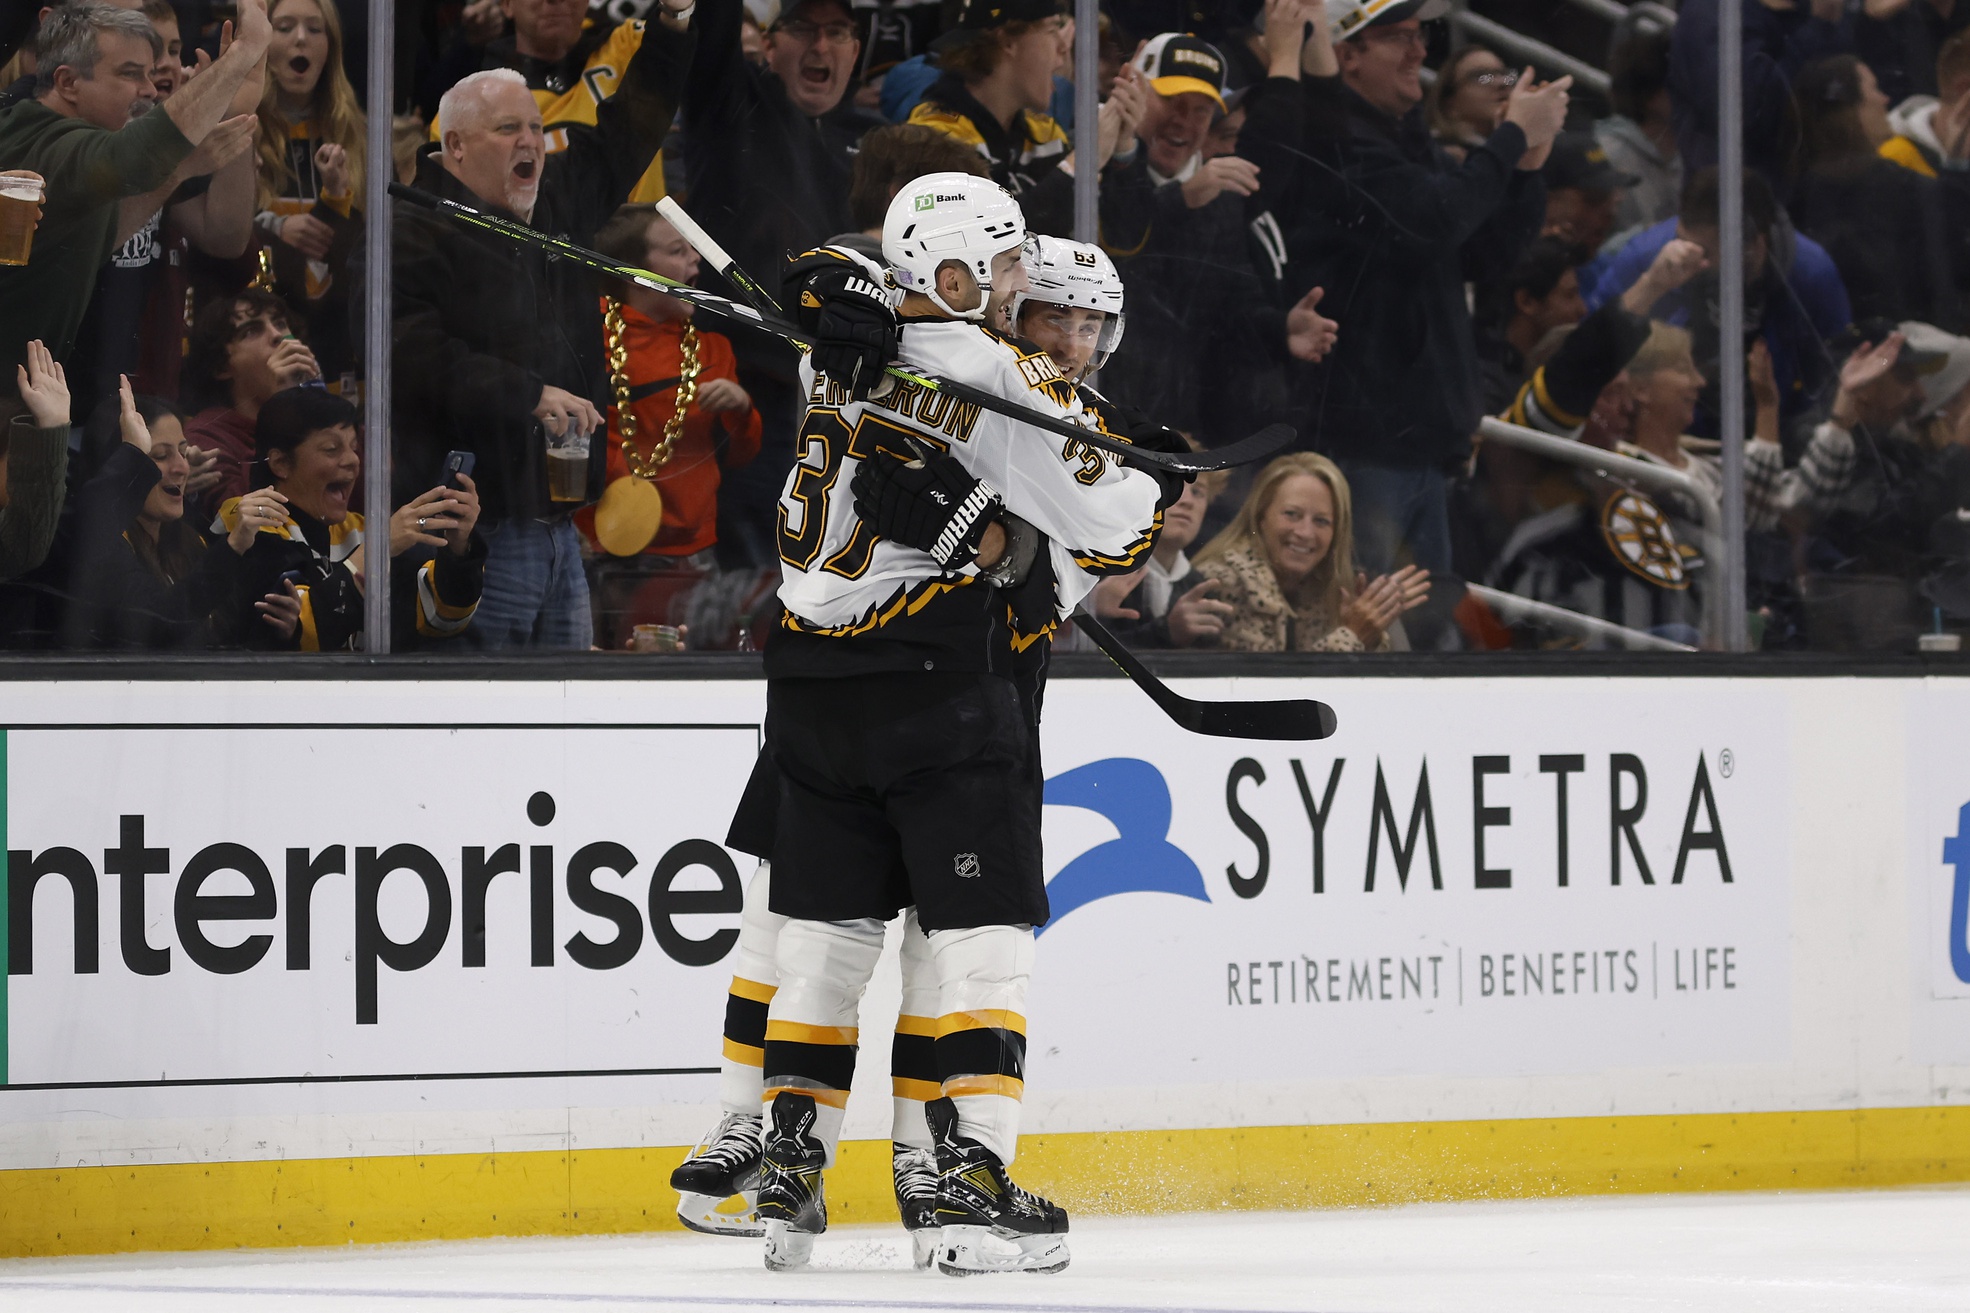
pixel 1286 565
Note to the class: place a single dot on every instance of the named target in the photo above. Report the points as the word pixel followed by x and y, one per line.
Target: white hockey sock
pixel 912 1055
pixel 811 1028
pixel 755 979
pixel 983 974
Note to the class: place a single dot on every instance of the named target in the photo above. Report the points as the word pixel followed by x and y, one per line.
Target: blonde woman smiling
pixel 1285 563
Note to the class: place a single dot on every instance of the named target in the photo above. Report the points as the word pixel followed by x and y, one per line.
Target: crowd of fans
pixel 1324 212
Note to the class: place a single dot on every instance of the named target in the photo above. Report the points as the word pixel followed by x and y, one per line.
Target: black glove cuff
pixel 957 546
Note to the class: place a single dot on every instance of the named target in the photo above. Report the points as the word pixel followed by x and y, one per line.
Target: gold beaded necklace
pixel 626 422
pixel 631 510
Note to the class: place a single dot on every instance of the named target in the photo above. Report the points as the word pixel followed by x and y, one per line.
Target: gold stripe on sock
pixel 753 990
pixel 923 1091
pixel 1010 1087
pixel 746 1055
pixel 797 1032
pixel 982 1019
pixel 908 1025
pixel 831 1098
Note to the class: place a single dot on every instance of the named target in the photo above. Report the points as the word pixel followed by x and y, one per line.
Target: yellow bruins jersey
pixel 600 75
pixel 839 580
pixel 1046 143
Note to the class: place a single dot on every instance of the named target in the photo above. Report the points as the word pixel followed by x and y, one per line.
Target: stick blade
pixel 1267 442
pixel 1292 721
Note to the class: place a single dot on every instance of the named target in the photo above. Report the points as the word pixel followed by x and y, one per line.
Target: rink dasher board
pixel 1202 971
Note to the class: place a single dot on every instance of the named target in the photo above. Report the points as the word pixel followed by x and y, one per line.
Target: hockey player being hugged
pixel 1072 308
pixel 908 759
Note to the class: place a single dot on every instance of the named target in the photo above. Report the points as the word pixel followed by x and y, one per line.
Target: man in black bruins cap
pixel 998 81
pixel 1583 191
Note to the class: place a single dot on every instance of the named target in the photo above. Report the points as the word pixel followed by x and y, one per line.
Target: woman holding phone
pixel 307 463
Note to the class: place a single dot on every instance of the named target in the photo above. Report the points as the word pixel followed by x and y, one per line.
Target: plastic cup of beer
pixel 20 208
pixel 656 638
pixel 567 466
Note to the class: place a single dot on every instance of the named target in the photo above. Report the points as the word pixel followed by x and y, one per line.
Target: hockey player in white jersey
pixel 1072 308
pixel 907 756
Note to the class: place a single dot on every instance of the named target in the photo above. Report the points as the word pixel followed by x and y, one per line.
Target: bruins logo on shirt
pixel 1640 537
pixel 1037 370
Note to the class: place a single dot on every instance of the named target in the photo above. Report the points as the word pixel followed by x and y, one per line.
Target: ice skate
pixel 989 1224
pixel 790 1199
pixel 716 1186
pixel 916 1199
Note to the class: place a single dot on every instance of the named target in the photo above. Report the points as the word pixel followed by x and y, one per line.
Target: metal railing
pixel 1612 10
pixel 1651 477
pixel 377 331
pixel 1621 15
pixel 1505 41
pixel 1658 13
pixel 1510 606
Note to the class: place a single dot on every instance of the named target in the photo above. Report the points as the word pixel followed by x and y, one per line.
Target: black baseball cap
pixel 1579 161
pixel 793 7
pixel 1175 63
pixel 1919 359
pixel 983 15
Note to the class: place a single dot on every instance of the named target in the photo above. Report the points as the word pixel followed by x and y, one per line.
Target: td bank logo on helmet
pixel 931 200
pixel 246 923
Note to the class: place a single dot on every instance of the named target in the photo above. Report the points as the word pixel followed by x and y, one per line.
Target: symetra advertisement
pixel 290 886
pixel 1523 881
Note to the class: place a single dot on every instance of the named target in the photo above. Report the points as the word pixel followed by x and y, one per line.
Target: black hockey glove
pixel 849 315
pixel 933 505
pixel 1143 432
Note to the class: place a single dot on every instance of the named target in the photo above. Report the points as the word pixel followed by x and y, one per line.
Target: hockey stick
pixel 1268 441
pixel 725 266
pixel 1297 720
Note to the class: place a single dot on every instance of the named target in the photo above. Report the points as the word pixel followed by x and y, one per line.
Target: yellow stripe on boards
pixel 176 1206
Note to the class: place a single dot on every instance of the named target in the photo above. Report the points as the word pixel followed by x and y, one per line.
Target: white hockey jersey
pixel 838 580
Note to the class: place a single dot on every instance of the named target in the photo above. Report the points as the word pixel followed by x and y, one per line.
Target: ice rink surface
pixel 1905 1250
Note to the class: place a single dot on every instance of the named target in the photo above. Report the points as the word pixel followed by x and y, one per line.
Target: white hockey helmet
pixel 950 216
pixel 1060 272
pixel 1347 18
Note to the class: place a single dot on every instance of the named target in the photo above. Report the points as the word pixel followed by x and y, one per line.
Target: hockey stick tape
pixel 696 236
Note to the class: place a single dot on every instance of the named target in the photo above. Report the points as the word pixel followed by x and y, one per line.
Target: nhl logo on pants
pixel 966 865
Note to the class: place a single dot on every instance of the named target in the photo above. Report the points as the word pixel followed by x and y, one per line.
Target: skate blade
pixel 964 1251
pixel 733 1215
pixel 923 1246
pixel 787 1249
